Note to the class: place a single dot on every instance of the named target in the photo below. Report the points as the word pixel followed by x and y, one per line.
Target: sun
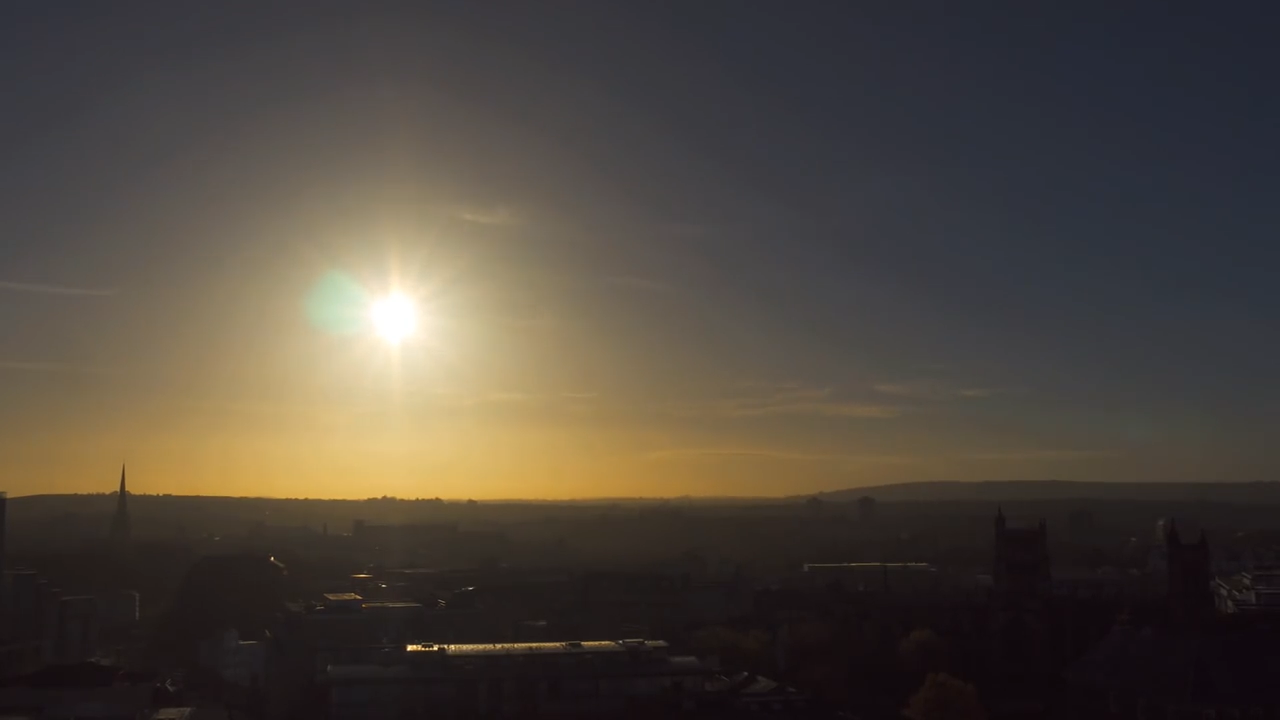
pixel 394 318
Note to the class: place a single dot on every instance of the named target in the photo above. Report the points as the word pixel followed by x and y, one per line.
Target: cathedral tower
pixel 1190 577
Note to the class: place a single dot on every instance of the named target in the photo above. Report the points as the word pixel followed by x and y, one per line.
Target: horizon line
pixel 654 498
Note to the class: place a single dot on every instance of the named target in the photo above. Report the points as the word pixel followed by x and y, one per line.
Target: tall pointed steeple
pixel 120 526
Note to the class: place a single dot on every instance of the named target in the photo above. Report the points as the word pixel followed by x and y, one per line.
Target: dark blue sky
pixel 778 248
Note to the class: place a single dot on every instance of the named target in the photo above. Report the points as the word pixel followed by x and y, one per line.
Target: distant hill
pixel 70 512
pixel 1267 493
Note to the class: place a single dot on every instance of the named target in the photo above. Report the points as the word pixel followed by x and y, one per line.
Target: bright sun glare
pixel 394 318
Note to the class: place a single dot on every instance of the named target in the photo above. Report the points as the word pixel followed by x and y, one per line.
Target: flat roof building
pixel 593 676
pixel 1251 592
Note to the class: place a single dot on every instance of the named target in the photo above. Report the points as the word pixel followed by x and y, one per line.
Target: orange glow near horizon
pixel 516 389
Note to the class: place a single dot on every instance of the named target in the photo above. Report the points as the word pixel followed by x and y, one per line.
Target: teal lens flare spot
pixel 337 304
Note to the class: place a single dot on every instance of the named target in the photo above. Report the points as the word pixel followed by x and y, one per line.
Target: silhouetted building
pixel 1021 568
pixel 1248 593
pixel 1190 577
pixel 1080 522
pixel 239 662
pixel 751 694
pixel 121 528
pixel 191 713
pixel 1177 672
pixel 241 592
pixel 79 690
pixel 659 603
pixel 77 638
pixel 898 578
pixel 306 638
pixel 345 624
pixel 1196 664
pixel 1019 613
pixel 517 679
pixel 23 647
pixel 31 623
pixel 866 508
pixel 22 603
pixel 4 524
pixel 118 609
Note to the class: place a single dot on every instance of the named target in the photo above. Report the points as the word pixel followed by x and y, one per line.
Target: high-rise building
pixel 118 609
pixel 77 638
pixel 120 526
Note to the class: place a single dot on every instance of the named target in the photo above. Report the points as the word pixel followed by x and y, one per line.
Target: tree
pixel 943 697
pixel 814 504
pixel 738 650
pixel 923 651
pixel 866 507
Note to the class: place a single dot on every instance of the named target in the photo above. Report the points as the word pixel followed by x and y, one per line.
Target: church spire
pixel 120 526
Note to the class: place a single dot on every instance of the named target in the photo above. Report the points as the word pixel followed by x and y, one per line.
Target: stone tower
pixel 1020 568
pixel 1190 577
pixel 1018 616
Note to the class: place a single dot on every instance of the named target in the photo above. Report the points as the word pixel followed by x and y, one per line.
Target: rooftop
pixel 868 565
pixel 389 604
pixel 538 648
pixel 607 657
pixel 368 672
pixel 1269 579
pixel 85 674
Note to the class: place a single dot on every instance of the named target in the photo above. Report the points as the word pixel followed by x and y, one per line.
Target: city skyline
pixel 795 250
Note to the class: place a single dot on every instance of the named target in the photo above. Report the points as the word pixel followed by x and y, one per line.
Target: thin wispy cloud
pixel 797 391
pixel 531 317
pixel 639 283
pixel 768 454
pixel 932 390
pixel 1042 455
pixel 819 409
pixel 496 216
pixel 510 397
pixel 688 453
pixel 47 289
pixel 297 410
pixel 467 399
pixel 48 367
pixel 686 230
pixel 882 459
pixel 790 400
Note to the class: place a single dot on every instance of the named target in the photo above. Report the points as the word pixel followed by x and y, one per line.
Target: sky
pixel 657 248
